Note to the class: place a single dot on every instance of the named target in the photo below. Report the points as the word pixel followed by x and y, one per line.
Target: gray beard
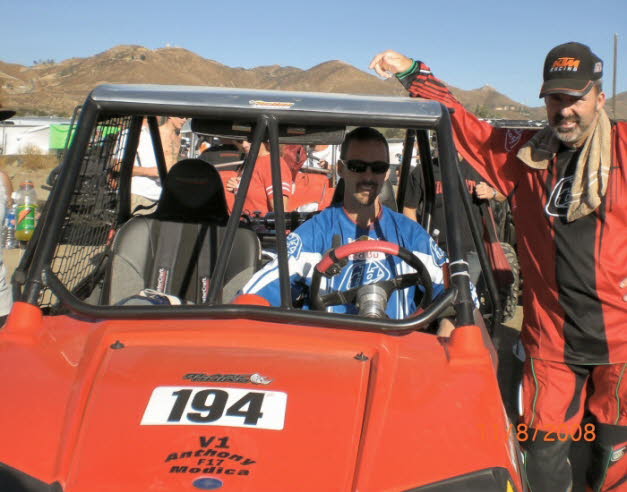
pixel 567 137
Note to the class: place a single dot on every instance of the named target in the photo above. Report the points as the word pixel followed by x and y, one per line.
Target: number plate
pixel 228 407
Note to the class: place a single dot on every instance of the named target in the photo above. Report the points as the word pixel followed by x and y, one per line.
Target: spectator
pixel 414 197
pixel 227 156
pixel 321 157
pixel 6 189
pixel 567 184
pixel 311 190
pixel 260 193
pixel 145 184
pixel 483 191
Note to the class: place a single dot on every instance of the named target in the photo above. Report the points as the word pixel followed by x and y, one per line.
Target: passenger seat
pixel 174 249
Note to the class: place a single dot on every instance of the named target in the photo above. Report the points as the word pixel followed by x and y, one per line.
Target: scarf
pixel 593 165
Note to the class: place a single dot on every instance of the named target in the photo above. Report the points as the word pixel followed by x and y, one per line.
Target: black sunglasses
pixel 358 166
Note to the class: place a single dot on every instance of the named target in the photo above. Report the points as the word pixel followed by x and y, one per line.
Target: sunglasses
pixel 358 166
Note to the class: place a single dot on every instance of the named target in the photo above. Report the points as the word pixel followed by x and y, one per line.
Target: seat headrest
pixel 192 192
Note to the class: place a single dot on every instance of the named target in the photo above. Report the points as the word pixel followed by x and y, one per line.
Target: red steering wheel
pixel 333 262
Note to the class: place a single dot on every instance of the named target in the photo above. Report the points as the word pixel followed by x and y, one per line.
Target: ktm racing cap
pixel 571 68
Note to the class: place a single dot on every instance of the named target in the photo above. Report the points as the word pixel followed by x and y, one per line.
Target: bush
pixel 33 159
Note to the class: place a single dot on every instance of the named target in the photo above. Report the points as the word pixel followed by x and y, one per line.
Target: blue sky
pixel 467 43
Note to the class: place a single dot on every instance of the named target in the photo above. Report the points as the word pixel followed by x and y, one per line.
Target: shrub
pixel 33 159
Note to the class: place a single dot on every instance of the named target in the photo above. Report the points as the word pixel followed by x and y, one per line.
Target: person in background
pixel 6 189
pixel 260 194
pixel 145 184
pixel 483 191
pixel 311 190
pixel 321 157
pixel 473 181
pixel 567 185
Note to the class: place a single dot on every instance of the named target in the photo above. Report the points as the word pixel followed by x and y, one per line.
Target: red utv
pixel 102 393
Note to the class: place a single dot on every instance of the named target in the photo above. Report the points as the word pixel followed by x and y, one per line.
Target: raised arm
pixel 483 146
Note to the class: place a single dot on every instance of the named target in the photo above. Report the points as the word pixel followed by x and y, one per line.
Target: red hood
pixel 158 405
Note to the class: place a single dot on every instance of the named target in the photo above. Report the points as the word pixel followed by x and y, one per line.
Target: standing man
pixel 567 184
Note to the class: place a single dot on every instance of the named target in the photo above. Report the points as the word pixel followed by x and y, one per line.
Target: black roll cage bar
pixel 275 108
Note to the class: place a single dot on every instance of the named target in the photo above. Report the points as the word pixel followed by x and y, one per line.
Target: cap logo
pixel 565 64
pixel 598 67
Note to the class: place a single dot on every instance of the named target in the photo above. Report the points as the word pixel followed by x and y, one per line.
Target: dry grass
pixel 31 160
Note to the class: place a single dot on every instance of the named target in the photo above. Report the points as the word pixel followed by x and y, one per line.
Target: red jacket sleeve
pixel 485 147
pixel 286 179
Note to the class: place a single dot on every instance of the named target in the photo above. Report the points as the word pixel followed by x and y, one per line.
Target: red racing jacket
pixel 574 310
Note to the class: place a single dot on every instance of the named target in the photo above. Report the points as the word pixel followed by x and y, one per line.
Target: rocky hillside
pixel 56 88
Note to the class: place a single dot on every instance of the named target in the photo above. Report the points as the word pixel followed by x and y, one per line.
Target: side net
pixel 89 226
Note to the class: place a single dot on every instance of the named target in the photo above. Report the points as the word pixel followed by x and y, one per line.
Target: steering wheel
pixel 334 261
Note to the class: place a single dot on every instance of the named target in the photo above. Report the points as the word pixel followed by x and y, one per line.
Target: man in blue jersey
pixel 364 162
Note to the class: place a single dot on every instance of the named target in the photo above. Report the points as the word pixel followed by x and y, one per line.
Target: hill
pixel 56 88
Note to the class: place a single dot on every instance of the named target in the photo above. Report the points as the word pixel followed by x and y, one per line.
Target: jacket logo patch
pixel 439 257
pixel 512 137
pixel 559 201
pixel 294 245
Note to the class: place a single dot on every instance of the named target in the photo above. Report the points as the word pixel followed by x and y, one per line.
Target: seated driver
pixel 363 164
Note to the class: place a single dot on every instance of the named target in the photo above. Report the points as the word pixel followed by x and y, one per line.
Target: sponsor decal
pixel 204 288
pixel 294 245
pixel 162 279
pixel 598 67
pixel 259 379
pixel 201 377
pixel 256 103
pixel 207 483
pixel 512 137
pixel 214 455
pixel 565 64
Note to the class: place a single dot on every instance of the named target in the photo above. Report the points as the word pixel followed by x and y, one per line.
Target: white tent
pixel 26 135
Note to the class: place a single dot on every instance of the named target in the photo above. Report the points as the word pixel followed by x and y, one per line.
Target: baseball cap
pixel 570 68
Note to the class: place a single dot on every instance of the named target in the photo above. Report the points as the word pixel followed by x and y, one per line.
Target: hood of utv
pixel 237 405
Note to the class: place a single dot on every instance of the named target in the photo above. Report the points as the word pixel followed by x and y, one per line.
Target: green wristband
pixel 409 71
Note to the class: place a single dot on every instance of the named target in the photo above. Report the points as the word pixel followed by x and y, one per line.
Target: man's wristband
pixel 412 68
pixel 493 194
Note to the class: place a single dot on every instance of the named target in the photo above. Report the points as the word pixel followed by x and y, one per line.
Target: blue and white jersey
pixel 307 244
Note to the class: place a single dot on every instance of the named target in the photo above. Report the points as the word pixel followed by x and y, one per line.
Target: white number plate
pixel 228 407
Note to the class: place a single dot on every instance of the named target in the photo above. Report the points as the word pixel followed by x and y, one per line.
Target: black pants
pixel 548 468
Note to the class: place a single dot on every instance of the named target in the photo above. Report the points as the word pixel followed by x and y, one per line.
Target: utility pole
pixel 614 81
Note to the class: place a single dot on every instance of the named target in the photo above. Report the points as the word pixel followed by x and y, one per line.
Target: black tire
pixel 509 298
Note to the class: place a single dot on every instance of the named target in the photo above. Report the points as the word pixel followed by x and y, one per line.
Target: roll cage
pixel 273 116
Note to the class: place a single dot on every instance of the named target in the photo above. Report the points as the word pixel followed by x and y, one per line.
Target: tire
pixel 509 298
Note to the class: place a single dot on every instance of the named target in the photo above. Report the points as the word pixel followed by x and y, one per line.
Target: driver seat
pixel 174 249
